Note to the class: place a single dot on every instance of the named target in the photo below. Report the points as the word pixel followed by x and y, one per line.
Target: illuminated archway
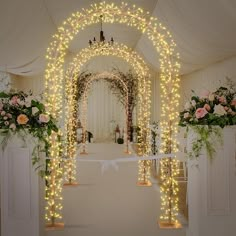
pixel 141 72
pixel 107 76
pixel 169 68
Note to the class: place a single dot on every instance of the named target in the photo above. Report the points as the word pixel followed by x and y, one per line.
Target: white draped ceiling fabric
pixel 203 30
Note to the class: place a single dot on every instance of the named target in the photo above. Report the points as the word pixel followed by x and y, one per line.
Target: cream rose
pixel 219 110
pixel 186 115
pixel 187 106
pixel 193 102
pixel 28 101
pixel 211 97
pixel 22 119
pixel 34 110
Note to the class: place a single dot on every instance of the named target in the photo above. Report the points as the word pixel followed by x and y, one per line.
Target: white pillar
pixel 212 190
pixel 19 189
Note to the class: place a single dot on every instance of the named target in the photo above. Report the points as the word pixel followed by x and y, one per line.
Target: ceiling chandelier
pixel 102 37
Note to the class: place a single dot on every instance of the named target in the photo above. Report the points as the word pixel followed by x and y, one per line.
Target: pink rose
pixel 3 113
pixel 13 100
pixel 226 108
pixel 6 123
pixel 5 118
pixel 204 94
pixel 44 118
pixel 233 103
pixel 222 99
pixel 231 112
pixel 12 126
pixel 207 107
pixel 9 115
pixel 200 113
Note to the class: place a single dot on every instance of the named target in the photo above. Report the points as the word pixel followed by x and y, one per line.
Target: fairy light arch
pixel 142 73
pixel 108 76
pixel 169 75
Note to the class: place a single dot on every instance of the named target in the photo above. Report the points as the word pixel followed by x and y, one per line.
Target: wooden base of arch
pixel 128 152
pixel 167 225
pixel 83 153
pixel 71 184
pixel 55 226
pixel 144 184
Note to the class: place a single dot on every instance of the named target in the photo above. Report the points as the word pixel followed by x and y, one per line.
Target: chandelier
pixel 102 37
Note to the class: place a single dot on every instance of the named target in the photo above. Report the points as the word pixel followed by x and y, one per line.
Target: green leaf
pixel 4 95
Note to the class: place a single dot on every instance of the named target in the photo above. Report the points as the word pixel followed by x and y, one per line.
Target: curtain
pixel 105 112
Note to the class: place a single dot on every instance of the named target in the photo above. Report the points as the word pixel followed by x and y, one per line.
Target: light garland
pixel 169 67
pixel 142 73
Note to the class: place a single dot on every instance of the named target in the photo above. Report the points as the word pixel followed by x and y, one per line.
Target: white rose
pixel 28 101
pixel 12 126
pixel 187 106
pixel 193 102
pixel 219 110
pixel 211 97
pixel 34 110
pixel 20 102
pixel 186 115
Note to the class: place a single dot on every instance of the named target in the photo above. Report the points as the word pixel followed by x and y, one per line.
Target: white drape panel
pixel 103 107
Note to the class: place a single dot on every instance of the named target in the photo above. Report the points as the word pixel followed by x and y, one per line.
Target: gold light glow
pixel 169 68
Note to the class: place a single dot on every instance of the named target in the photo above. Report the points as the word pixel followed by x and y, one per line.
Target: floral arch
pixel 169 74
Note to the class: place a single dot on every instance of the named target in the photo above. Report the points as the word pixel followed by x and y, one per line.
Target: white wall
pixel 98 64
pixel 35 84
pixel 209 78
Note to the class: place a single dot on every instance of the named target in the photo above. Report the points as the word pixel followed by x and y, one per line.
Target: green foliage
pixel 207 137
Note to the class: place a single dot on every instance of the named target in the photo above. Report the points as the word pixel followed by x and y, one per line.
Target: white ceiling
pixel 204 30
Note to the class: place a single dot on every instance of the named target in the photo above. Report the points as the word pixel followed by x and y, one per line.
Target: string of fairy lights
pixel 169 68
pixel 142 73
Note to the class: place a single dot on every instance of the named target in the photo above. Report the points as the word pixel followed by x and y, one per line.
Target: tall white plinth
pixel 212 190
pixel 19 189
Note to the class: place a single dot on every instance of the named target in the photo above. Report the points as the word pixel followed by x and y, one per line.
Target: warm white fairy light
pixel 164 44
pixel 53 188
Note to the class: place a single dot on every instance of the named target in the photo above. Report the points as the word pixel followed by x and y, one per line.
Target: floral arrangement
pixel 205 114
pixel 22 112
pixel 217 108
